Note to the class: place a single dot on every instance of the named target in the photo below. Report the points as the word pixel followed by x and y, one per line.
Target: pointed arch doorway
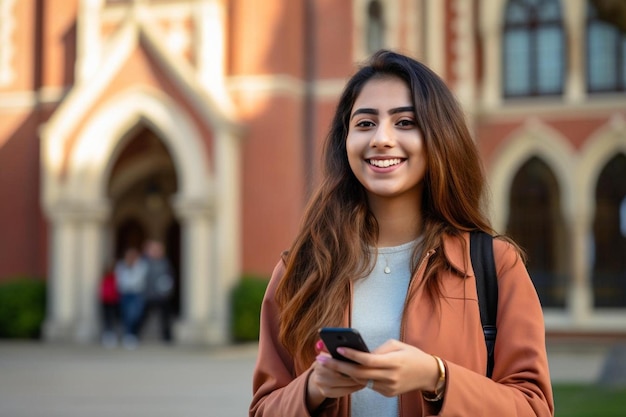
pixel 141 186
pixel 91 209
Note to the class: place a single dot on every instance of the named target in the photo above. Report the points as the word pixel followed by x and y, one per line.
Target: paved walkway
pixel 38 379
pixel 42 380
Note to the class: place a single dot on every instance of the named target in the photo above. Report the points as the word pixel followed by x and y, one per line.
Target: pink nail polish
pixel 321 359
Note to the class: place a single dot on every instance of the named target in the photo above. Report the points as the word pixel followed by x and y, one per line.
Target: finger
pixel 362 358
pixel 331 383
pixel 320 346
pixel 328 365
pixel 390 345
pixel 339 368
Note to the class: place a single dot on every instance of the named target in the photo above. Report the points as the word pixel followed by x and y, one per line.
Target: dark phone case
pixel 335 337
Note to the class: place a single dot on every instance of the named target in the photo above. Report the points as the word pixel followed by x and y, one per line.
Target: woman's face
pixel 385 147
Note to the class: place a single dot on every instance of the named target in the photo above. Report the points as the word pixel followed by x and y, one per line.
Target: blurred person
pixel 131 275
pixel 384 247
pixel 109 306
pixel 159 287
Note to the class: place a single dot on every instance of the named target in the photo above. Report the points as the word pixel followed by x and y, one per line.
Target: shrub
pixel 246 300
pixel 22 307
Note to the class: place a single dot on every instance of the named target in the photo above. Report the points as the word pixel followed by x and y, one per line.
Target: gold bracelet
pixel 441 382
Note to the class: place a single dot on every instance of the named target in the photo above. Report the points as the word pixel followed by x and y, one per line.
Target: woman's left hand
pixel 394 368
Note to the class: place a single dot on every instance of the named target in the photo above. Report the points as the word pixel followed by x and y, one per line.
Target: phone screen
pixel 335 337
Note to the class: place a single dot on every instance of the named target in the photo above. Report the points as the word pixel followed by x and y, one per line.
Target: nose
pixel 382 137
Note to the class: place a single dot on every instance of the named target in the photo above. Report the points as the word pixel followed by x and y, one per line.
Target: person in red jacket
pixel 109 303
pixel 383 247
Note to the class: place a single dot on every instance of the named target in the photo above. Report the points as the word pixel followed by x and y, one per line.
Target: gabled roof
pixel 214 106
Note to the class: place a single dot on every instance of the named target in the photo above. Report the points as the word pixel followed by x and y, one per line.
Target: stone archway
pixel 140 186
pixel 141 183
pixel 532 139
pixel 80 211
pixel 602 147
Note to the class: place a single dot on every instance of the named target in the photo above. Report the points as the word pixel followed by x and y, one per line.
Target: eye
pixel 407 123
pixel 364 124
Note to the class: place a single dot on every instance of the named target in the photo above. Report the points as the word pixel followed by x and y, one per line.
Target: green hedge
pixel 246 300
pixel 22 307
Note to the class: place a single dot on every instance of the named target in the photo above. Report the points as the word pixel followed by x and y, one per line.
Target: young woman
pixel 384 248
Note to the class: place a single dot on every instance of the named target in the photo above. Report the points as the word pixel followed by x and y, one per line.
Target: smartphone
pixel 334 337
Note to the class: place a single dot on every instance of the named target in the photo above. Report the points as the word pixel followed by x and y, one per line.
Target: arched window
pixel 609 266
pixel 536 224
pixel 606 54
pixel 533 48
pixel 375 27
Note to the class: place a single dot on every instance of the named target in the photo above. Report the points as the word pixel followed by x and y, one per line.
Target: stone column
pixel 574 32
pixel 464 65
pixel 90 268
pixel 77 254
pixel 435 42
pixel 228 232
pixel 198 268
pixel 580 297
pixel 491 14
pixel 64 242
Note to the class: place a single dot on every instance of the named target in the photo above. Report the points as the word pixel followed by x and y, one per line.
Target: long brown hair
pixel 337 230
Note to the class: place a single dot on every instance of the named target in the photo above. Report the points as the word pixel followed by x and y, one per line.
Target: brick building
pixel 199 122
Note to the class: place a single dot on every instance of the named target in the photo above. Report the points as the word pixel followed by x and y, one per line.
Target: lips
pixel 384 163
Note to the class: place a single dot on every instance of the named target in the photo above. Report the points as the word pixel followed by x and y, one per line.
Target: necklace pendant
pixel 387 270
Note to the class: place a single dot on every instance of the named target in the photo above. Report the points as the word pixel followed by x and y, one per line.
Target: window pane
pixel 375 35
pixel 601 56
pixel 516 53
pixel 375 27
pixel 516 13
pixel 550 11
pixel 550 60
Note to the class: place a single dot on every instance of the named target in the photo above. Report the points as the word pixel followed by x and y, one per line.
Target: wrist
pixel 314 397
pixel 440 385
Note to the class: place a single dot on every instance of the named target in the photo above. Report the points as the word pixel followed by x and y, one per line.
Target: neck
pixel 398 221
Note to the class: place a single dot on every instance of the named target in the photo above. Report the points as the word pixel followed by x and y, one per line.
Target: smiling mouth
pixel 384 163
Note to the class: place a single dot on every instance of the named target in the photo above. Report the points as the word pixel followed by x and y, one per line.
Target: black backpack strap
pixel 481 254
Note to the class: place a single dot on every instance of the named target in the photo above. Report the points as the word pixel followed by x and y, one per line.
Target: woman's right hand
pixel 326 383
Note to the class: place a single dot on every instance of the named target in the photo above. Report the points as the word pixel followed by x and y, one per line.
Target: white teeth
pixel 384 163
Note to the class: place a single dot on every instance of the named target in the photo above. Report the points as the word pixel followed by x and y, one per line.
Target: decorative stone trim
pixel 7 45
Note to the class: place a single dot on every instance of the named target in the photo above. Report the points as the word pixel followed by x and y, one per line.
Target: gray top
pixel 376 313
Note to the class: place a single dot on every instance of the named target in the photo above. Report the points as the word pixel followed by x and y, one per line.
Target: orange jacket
pixel 521 379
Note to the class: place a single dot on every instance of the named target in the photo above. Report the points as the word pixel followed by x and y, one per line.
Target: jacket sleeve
pixel 277 390
pixel 521 379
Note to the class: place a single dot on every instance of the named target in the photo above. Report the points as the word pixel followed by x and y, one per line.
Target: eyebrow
pixel 395 110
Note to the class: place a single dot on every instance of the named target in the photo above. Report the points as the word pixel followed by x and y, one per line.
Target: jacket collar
pixel 456 251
